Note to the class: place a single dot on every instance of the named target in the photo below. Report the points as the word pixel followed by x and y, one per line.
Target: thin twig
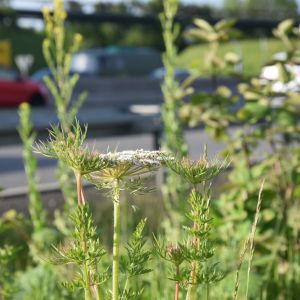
pixel 249 240
pixel 252 235
pixel 238 269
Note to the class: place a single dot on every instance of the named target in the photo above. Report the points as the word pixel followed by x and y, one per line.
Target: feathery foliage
pixel 36 209
pixel 85 251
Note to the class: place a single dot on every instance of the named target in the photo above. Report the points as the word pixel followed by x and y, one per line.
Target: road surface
pixel 12 174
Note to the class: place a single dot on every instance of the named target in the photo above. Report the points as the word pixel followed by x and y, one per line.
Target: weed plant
pixel 173 93
pixel 268 116
pixel 207 250
pixel 58 49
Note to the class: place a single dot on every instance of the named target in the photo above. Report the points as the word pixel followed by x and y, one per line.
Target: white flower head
pixel 130 163
pixel 138 157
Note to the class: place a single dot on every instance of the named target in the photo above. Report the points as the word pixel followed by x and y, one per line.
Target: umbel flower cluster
pixel 130 164
pixel 125 170
pixel 71 149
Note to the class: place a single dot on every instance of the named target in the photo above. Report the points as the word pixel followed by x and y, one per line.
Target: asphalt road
pixel 106 96
pixel 12 175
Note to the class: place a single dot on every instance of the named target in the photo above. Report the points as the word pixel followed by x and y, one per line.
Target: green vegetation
pixel 254 53
pixel 275 124
pixel 241 242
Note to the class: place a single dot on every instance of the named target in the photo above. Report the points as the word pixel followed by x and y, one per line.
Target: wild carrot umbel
pixel 127 167
pixel 113 171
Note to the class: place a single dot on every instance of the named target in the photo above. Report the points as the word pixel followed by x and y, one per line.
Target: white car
pixel 271 73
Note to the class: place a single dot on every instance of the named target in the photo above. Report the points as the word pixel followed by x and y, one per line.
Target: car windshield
pixel 8 74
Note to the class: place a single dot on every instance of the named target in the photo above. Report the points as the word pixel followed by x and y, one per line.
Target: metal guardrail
pixel 138 119
pixel 101 122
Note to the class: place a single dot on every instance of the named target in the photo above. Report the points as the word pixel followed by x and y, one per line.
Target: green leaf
pixel 201 35
pixel 223 91
pixel 204 25
pixel 284 74
pixel 285 26
pixel 285 118
pixel 225 24
pixel 253 111
pixel 232 58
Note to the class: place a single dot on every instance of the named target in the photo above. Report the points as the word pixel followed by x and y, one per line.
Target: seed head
pixel 70 149
pixel 197 171
pixel 175 254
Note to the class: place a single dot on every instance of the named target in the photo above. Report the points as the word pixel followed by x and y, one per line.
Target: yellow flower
pixel 78 38
pixel 24 106
pixel 46 12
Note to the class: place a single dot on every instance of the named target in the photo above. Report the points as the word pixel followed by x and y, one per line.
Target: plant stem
pixel 116 242
pixel 192 282
pixel 207 292
pixel 79 189
pixel 81 201
pixel 87 291
pixel 177 285
pixel 96 292
pixel 192 286
pixel 125 287
pixel 252 235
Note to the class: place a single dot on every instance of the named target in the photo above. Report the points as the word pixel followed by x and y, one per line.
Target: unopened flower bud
pixel 175 254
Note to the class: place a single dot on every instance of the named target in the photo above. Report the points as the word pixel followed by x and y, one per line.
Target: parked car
pixel 159 74
pixel 116 61
pixel 271 73
pixel 14 89
pixel 39 75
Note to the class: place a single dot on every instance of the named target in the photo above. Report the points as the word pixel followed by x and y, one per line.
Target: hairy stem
pixel 86 271
pixel 177 284
pixel 87 274
pixel 87 290
pixel 96 292
pixel 191 294
pixel 80 197
pixel 192 282
pixel 116 242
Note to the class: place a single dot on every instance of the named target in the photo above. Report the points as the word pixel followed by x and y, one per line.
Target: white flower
pixel 138 157
pixel 130 164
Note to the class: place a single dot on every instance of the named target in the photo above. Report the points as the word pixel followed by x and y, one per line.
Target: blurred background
pixel 120 66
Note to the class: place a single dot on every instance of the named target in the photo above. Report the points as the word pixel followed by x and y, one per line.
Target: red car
pixel 14 89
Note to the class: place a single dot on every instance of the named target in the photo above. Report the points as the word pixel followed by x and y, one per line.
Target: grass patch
pixel 254 52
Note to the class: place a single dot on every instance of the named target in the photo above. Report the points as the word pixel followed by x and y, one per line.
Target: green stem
pixel 116 243
pixel 87 290
pixel 125 287
pixel 177 284
pixel 207 292
pixel 79 189
pixel 191 294
pixel 98 294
